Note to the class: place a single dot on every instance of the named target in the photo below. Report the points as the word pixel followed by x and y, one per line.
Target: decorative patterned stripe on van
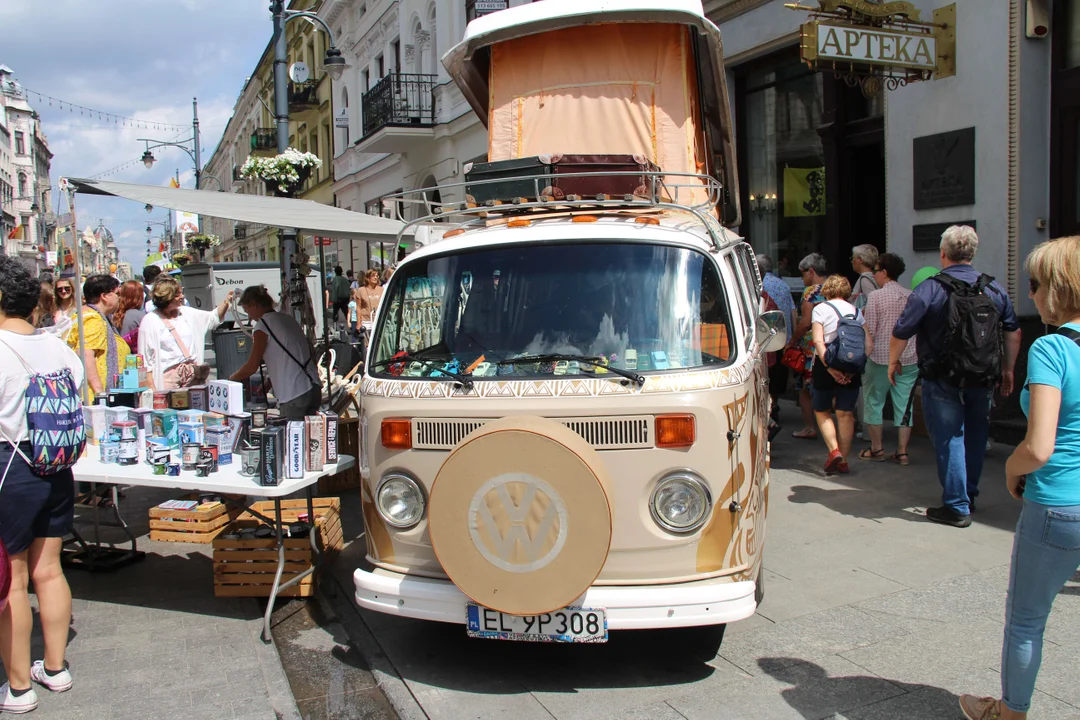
pixel 618 432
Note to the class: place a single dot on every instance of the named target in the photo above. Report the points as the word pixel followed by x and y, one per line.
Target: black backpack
pixel 971 356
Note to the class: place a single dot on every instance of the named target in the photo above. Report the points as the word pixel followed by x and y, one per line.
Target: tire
pixel 759 584
pixel 503 555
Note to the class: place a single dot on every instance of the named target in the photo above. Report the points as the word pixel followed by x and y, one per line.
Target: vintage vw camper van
pixel 565 399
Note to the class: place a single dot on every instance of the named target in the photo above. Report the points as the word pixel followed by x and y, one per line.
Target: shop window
pixel 783 170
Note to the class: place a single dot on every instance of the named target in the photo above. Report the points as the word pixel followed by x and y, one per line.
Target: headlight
pixel 681 503
pixel 399 500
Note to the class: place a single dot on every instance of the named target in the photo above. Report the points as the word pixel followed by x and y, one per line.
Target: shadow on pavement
pixel 816 695
pixel 880 490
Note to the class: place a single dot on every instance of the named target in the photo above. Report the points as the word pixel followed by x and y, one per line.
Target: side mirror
pixel 771 329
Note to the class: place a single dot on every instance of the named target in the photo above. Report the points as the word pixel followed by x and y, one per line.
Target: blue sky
pixel 145 59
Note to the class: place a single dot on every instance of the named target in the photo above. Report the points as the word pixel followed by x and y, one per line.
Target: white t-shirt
pixel 829 320
pixel 45 353
pixel 170 352
pixel 289 379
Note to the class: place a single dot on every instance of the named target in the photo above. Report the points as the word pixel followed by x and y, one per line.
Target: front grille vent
pixel 603 433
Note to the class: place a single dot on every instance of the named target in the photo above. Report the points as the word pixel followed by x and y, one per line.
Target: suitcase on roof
pixel 553 176
pixel 631 179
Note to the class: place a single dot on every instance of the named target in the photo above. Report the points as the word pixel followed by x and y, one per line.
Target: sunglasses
pixel 1033 285
pixel 63 290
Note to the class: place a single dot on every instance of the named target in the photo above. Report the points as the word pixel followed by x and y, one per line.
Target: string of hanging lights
pixel 119 120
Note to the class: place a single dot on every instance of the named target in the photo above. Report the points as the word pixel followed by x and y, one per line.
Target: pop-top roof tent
pixel 637 77
pixel 303 215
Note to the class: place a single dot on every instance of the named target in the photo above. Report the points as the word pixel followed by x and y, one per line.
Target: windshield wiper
pixel 594 361
pixel 464 380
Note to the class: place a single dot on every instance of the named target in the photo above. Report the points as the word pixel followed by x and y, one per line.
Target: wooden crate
pixel 245 568
pixel 348 444
pixel 200 525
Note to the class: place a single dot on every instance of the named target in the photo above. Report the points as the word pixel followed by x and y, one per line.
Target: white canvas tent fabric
pixel 303 215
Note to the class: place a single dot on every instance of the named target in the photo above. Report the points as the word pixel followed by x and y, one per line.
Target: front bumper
pixel 706 602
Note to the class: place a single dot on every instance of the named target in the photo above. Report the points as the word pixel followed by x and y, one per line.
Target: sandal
pixel 872 455
pixel 899 458
pixel 805 434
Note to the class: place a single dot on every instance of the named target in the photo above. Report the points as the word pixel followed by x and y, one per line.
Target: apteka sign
pixel 873 46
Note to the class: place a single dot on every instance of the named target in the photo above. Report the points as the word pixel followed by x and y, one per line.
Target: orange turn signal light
pixel 584 218
pixel 519 222
pixel 397 434
pixel 673 431
pixel 454 233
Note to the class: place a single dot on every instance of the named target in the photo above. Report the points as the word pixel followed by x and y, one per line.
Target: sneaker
pixel 16 705
pixel 945 516
pixel 843 468
pixel 980 708
pixel 833 463
pixel 57 683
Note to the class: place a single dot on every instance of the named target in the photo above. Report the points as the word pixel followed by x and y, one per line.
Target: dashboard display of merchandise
pixel 553 310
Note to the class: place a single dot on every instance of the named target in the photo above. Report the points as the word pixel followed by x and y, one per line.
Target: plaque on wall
pixel 927 238
pixel 944 169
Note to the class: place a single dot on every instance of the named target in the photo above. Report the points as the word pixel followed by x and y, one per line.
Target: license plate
pixel 570 625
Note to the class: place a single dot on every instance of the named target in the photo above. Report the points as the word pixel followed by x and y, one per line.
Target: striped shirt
pixel 883 309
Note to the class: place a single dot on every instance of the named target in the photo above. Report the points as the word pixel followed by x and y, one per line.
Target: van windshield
pixel 628 305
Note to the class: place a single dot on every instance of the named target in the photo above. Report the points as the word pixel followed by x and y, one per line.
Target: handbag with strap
pixel 188 372
pixel 794 358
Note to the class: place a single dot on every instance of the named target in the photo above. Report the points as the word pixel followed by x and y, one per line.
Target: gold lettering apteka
pixel 871 46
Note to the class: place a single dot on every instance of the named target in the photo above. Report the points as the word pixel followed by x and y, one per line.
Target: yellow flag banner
pixel 173 183
pixel 804 192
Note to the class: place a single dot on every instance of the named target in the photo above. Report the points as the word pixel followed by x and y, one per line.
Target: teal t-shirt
pixel 1054 360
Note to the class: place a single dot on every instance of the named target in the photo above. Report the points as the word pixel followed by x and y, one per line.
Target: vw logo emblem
pixel 518 522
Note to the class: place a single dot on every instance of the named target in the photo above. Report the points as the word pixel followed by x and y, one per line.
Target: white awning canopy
pixel 303 215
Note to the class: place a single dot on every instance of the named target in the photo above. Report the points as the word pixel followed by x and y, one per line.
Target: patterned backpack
pixel 54 418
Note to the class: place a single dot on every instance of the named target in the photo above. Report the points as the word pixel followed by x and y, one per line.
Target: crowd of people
pixel 967 342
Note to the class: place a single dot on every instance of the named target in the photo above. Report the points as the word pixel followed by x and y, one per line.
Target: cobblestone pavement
pixel 151 641
pixel 871 612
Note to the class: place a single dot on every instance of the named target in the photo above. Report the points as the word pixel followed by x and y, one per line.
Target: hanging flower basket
pixel 203 242
pixel 283 174
pixel 180 259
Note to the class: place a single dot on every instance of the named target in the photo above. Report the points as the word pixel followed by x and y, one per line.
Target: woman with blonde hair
pixel 832 388
pixel 172 338
pixel 1042 473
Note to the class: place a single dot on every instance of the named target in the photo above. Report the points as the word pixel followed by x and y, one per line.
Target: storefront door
pixel 1065 120
pixel 811 164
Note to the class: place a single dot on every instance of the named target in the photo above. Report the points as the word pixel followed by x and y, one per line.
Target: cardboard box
pixel 180 399
pixel 226 397
pixel 239 429
pixel 97 424
pixel 200 397
pixel 164 423
pixel 219 438
pixel 271 456
pixel 330 445
pixel 192 432
pixel 294 449
pixel 315 433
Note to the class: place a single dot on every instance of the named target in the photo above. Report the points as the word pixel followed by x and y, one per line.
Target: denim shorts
pixel 32 506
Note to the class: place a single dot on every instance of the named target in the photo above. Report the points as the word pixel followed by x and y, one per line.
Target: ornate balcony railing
pixel 400 99
pixel 264 139
pixel 303 95
pixel 240 231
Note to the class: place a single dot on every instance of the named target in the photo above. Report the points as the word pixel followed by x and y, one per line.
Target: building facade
pixel 990 140
pixel 400 123
pixel 251 131
pixel 25 188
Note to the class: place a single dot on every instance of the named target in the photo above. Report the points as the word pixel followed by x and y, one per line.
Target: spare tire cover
pixel 519 515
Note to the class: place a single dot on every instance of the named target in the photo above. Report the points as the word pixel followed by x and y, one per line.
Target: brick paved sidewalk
pixel 151 641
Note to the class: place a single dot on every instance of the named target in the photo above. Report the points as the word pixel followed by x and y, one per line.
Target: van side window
pixel 744 297
pixel 749 266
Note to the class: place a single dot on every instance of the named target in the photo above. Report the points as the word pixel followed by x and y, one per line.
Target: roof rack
pixel 694 194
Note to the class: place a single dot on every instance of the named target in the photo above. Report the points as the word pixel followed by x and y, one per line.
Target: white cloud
pixel 137 59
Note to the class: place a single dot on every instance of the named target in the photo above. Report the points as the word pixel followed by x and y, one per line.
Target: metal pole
pixel 76 283
pixel 195 128
pixel 287 236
